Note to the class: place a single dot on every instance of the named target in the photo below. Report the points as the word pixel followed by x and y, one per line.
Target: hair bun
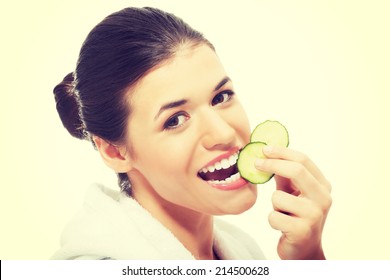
pixel 67 106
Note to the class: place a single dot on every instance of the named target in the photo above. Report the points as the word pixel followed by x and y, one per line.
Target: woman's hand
pixel 301 202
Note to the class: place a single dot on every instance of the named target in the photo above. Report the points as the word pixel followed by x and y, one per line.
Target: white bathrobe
pixel 112 225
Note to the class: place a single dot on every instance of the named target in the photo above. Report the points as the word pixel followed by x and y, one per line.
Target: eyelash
pixel 168 124
pixel 228 98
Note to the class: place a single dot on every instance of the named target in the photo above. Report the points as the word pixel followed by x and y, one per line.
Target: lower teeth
pixel 229 180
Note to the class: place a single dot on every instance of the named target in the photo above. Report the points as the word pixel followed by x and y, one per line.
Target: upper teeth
pixel 223 164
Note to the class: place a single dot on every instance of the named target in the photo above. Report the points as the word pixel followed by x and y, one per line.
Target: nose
pixel 218 133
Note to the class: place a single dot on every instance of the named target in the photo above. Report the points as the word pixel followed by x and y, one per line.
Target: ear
pixel 116 157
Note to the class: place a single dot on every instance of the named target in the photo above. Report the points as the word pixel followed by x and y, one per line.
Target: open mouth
pixel 221 172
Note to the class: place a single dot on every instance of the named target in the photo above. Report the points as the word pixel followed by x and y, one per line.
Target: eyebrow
pixel 181 102
pixel 171 105
pixel 222 83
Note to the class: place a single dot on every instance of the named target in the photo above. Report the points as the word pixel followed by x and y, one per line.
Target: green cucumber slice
pixel 267 133
pixel 272 133
pixel 246 166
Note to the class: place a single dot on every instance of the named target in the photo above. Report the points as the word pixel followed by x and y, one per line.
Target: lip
pixel 226 155
pixel 240 183
pixel 231 186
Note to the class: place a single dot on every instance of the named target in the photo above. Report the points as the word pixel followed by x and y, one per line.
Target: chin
pixel 239 204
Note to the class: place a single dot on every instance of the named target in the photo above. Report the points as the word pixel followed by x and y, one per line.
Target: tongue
pixel 219 175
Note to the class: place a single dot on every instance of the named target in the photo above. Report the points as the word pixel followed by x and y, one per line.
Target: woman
pixel 152 96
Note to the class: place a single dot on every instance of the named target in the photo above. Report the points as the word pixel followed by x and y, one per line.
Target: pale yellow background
pixel 320 67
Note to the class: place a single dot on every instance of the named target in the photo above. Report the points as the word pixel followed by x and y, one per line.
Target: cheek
pixel 241 123
pixel 163 159
pixel 165 169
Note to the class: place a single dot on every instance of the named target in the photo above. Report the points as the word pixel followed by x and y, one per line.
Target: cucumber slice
pixel 246 166
pixel 267 133
pixel 272 133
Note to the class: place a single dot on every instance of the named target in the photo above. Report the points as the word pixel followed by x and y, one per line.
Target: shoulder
pixel 112 225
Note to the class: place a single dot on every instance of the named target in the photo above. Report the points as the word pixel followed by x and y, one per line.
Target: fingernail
pixel 259 162
pixel 267 149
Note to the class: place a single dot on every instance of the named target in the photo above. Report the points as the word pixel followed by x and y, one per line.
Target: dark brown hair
pixel 116 54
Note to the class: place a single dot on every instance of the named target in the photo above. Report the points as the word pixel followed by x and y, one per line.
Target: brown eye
pixel 176 120
pixel 222 97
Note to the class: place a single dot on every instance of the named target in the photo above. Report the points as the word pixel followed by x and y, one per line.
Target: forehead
pixel 192 70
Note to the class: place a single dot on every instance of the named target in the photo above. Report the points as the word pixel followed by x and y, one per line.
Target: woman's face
pixel 187 120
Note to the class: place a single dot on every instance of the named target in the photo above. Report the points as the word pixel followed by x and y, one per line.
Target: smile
pixel 221 171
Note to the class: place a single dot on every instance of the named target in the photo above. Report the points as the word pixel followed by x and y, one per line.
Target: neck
pixel 193 229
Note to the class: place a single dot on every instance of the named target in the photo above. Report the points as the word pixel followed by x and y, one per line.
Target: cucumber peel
pixel 272 133
pixel 246 163
pixel 266 133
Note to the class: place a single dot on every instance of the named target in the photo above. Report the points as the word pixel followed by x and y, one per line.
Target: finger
pixel 289 225
pixel 276 152
pixel 300 177
pixel 285 203
pixel 295 206
pixel 281 221
pixel 294 229
pixel 284 184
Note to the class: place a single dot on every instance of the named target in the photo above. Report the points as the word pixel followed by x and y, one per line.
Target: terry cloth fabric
pixel 112 225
